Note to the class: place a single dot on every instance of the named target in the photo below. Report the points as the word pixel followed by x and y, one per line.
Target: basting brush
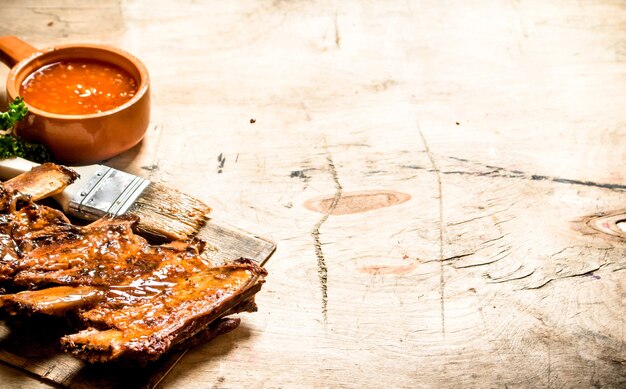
pixel 164 213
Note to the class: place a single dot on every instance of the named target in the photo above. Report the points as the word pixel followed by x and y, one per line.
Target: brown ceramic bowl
pixel 79 139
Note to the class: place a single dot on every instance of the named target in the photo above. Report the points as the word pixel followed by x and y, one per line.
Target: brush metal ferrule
pixel 107 192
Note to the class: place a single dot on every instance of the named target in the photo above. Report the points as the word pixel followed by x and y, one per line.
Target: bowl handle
pixel 13 50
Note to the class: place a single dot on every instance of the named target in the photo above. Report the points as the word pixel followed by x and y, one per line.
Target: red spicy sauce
pixel 78 87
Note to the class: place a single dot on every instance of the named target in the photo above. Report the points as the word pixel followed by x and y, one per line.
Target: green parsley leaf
pixel 14 146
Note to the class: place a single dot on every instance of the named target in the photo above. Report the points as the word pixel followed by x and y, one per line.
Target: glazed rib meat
pixel 134 301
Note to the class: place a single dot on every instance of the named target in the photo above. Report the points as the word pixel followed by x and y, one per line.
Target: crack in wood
pixel 549 280
pixel 493 240
pixel 475 264
pixel 501 280
pixel 337 34
pixel 560 251
pixel 457 256
pixel 56 17
pixel 322 270
pixel 447 259
pixel 470 220
pixel 452 224
pixel 502 254
pixel 155 166
pixel 221 160
pixel 300 174
pixel 442 278
pixel 497 171
pixel 503 221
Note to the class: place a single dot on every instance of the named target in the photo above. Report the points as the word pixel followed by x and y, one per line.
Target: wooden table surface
pixel 444 180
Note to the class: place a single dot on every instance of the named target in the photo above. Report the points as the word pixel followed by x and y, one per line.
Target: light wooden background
pixel 501 125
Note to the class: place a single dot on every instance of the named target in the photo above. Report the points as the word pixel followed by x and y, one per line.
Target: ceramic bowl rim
pixel 13 82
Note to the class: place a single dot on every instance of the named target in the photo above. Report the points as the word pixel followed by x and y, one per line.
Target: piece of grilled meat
pixel 135 301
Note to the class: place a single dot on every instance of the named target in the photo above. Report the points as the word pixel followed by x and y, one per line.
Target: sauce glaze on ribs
pixel 134 301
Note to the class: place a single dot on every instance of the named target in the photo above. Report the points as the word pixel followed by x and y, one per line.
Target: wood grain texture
pixel 503 122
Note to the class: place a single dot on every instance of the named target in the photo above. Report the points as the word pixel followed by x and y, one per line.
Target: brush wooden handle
pixel 12 167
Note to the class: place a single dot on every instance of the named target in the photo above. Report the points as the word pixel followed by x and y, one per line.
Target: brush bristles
pixel 167 214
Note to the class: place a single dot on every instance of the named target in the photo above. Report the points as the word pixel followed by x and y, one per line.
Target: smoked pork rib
pixel 135 301
pixel 146 318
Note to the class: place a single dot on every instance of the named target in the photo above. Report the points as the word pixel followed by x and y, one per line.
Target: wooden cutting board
pixel 33 346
